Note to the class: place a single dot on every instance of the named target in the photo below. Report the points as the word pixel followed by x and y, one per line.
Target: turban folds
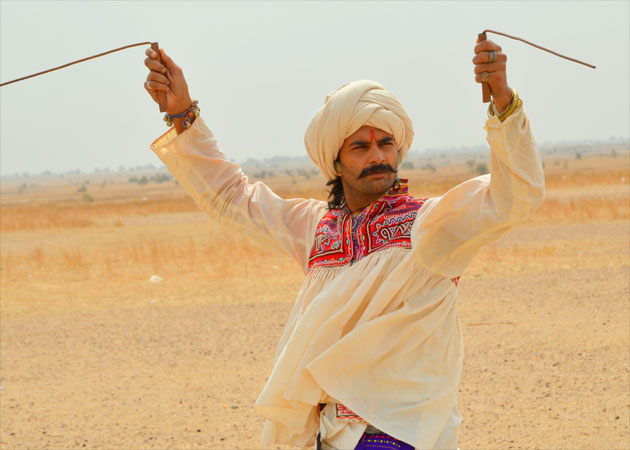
pixel 346 110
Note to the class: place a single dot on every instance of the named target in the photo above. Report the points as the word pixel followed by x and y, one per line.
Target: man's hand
pixel 497 78
pixel 169 78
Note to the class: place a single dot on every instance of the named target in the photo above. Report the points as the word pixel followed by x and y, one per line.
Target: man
pixel 371 355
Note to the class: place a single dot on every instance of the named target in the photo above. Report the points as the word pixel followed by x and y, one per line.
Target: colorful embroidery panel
pixel 345 414
pixel 342 239
pixel 333 240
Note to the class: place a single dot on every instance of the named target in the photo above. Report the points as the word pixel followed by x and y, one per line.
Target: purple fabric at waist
pixel 381 441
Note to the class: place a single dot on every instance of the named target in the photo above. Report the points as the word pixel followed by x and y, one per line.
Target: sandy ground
pixel 93 355
pixel 545 314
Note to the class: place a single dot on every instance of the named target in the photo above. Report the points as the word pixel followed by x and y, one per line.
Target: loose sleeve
pixel 221 190
pixel 450 230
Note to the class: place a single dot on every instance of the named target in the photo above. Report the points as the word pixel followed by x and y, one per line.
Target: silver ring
pixel 492 56
pixel 484 77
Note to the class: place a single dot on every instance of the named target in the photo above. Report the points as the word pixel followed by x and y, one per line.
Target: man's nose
pixel 376 153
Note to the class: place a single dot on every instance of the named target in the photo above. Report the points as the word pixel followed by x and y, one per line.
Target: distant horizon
pixel 452 150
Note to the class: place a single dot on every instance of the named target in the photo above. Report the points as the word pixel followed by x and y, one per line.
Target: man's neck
pixel 357 204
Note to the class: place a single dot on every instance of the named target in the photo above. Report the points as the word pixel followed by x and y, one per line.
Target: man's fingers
pixel 153 64
pixel 493 77
pixel 485 46
pixel 484 57
pixel 492 67
pixel 151 86
pixel 154 76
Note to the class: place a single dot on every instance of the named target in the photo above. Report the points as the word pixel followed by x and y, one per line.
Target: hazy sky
pixel 261 69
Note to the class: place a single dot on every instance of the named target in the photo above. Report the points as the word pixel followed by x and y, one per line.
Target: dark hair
pixel 336 197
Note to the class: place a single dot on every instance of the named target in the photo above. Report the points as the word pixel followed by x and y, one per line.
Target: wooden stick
pixel 74 62
pixel 539 47
pixel 161 95
pixel 485 87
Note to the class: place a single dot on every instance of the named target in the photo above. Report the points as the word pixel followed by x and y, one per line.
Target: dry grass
pixel 584 207
pixel 571 196
pixel 30 217
pixel 36 216
pixel 149 252
pixel 139 225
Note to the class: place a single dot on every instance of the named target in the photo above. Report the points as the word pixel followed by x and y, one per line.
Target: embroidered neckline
pixel 399 189
pixel 343 238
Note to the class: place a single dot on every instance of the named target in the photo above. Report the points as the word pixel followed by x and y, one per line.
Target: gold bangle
pixel 516 101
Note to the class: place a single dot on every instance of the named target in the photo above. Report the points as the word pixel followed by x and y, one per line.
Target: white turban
pixel 346 110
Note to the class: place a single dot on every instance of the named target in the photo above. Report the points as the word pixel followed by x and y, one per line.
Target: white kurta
pixel 381 335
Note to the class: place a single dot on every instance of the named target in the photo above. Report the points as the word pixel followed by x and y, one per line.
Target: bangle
pixel 516 101
pixel 189 115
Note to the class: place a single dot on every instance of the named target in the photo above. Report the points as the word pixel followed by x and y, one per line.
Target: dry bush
pixel 580 209
pixel 37 256
pixel 7 263
pixel 214 256
pixel 74 259
pixel 33 216
pixel 210 249
pixel 10 261
pixel 584 178
pixel 158 253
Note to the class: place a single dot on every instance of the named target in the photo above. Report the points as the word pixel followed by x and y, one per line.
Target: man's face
pixel 368 161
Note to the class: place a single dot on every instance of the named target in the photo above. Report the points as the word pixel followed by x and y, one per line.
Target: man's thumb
pixel 167 61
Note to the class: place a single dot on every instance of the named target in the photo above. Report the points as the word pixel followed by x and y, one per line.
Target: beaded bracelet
pixel 191 114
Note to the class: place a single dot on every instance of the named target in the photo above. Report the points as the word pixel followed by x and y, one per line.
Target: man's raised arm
pixel 449 230
pixel 218 185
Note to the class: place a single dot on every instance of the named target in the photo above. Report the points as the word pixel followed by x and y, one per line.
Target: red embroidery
pixel 385 224
pixel 333 240
pixel 345 414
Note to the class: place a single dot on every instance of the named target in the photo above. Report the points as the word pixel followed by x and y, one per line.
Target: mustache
pixel 376 169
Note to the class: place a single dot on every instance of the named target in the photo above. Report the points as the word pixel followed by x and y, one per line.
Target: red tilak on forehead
pixel 372 137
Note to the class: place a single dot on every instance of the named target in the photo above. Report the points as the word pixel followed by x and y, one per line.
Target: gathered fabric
pixel 346 110
pixel 375 324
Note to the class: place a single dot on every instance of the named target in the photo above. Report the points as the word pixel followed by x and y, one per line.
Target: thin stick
pixel 75 62
pixel 538 46
pixel 161 95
